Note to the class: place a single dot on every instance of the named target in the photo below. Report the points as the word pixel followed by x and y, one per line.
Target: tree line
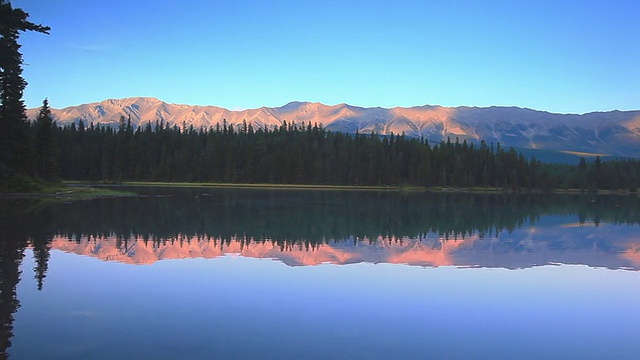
pixel 301 154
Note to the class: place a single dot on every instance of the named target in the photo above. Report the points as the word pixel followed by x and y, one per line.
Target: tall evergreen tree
pixel 44 143
pixel 13 144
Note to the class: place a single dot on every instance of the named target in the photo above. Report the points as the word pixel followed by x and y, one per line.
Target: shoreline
pixel 80 190
pixel 69 193
pixel 265 186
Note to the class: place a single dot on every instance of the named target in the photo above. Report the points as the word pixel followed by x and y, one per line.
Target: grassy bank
pixel 66 192
pixel 301 187
pixel 342 187
pixel 257 186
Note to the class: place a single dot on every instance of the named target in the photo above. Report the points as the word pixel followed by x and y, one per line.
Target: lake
pixel 205 273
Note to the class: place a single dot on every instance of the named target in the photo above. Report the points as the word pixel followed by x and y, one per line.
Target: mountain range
pixel 612 133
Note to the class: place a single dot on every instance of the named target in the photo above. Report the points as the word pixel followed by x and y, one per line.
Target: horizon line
pixel 338 104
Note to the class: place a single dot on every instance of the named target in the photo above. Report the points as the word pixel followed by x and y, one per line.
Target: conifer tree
pixel 13 148
pixel 44 143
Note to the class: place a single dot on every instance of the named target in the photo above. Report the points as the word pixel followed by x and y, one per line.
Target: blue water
pixel 236 307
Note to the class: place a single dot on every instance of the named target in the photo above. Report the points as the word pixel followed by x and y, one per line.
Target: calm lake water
pixel 255 274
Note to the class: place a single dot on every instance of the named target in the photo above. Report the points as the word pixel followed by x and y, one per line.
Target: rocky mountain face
pixel 614 133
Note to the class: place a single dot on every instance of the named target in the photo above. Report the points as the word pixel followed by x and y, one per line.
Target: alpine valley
pixel 612 133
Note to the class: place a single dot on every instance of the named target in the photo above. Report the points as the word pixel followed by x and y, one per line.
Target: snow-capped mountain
pixel 614 133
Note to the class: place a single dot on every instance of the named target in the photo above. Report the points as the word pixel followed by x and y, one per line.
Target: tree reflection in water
pixel 11 254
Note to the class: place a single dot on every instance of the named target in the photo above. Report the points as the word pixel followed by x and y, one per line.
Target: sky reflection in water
pixel 258 308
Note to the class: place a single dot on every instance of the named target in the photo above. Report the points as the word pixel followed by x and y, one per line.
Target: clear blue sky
pixel 560 56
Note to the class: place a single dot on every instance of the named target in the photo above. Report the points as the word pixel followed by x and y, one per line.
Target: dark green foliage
pixel 15 154
pixel 44 144
pixel 293 154
pixel 620 174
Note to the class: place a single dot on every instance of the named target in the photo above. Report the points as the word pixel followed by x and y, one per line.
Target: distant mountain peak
pixel 294 104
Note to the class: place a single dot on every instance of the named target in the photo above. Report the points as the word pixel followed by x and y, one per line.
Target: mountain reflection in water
pixel 521 248
pixel 315 227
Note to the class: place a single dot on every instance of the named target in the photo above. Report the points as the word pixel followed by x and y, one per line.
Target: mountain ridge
pixel 615 133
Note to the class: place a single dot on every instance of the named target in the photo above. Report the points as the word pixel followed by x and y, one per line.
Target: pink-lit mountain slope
pixel 614 133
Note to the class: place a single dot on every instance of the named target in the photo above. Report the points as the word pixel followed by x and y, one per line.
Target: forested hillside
pixel 309 154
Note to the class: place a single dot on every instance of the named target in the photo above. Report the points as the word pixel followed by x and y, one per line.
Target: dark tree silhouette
pixel 13 145
pixel 44 143
pixel 11 254
pixel 41 252
pixel 308 154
